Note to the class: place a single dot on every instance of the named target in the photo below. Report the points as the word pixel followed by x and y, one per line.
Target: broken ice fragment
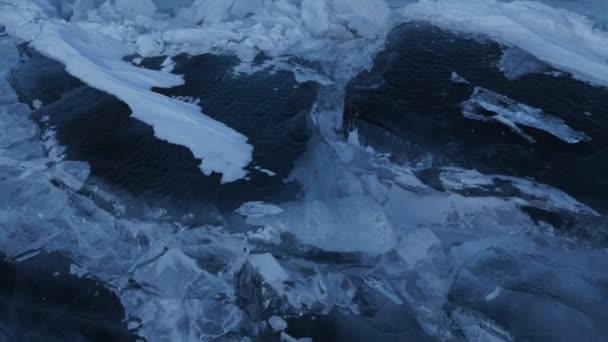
pixel 258 209
pixel 168 64
pixel 269 268
pixel 267 234
pixel 269 173
pixel 486 105
pixel 37 104
pixel 277 323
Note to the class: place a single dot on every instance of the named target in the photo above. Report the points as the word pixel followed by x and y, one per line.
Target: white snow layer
pixel 566 40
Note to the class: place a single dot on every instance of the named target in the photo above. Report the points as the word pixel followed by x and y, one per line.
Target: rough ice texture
pixel 566 40
pixel 512 114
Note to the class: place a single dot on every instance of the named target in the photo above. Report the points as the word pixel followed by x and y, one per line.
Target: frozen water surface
pixel 387 214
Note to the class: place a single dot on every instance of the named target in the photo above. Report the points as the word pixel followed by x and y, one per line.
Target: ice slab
pixel 486 105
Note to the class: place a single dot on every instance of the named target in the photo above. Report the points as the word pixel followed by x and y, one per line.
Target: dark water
pixel 387 323
pixel 41 301
pixel 408 105
pixel 271 109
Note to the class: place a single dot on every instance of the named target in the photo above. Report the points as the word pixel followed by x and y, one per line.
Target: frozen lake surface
pixel 297 170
